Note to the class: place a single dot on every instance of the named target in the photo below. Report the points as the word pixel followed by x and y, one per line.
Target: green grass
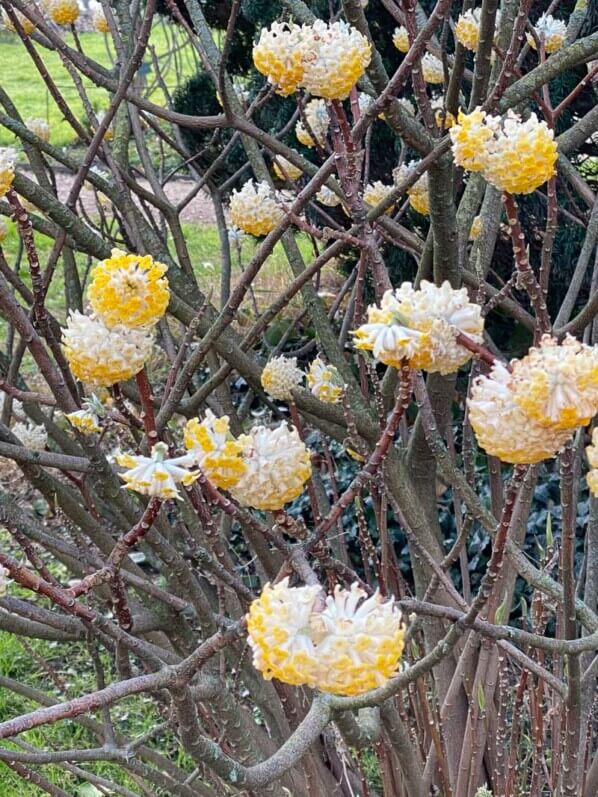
pixel 22 82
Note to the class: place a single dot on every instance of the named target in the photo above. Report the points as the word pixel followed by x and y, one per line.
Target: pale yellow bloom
pixel 335 57
pixel 471 138
pixel 285 170
pixel 326 196
pixel 325 381
pixel 549 30
pixel 444 119
pixel 255 209
pixel 351 646
pixel 64 12
pixel 103 356
pixel 375 193
pixel 84 421
pixel 467 29
pixel 476 228
pixel 129 289
pixel 318 120
pixel 8 159
pixel 98 18
pixel 39 127
pixel 278 465
pixel 420 327
pixel 432 69
pixel 25 22
pixel 502 428
pixel 31 435
pixel 279 55
pixel 157 476
pixel 400 39
pixel 215 449
pixel 557 384
pixel 280 377
pixel 418 193
pixel 592 454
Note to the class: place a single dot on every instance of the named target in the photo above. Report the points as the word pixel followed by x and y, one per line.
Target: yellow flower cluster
pixel 32 436
pixel 432 69
pixel 325 382
pixel 285 170
pixel 514 156
pixel 215 449
pixel 326 60
pixel 549 30
pixel 39 127
pixel 25 23
pixel 418 193
pixel 277 466
pixel 255 209
pixel 103 356
pixel 156 476
pixel 84 421
pixel 129 289
pixel 280 377
pixel 326 196
pixel 350 646
pixel 98 18
pixel 64 12
pixel 318 121
pixel 592 454
pixel 375 193
pixel 400 39
pixel 467 29
pixel 420 327
pixel 8 158
pixel 476 228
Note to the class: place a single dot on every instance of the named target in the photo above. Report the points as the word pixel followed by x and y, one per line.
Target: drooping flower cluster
pixel 421 327
pixel 285 170
pixel 318 121
pixel 8 159
pixel 31 435
pixel 529 414
pixel 418 193
pixel 277 466
pixel 325 381
pixel 349 647
pixel 513 155
pixel 549 30
pixel 103 356
pixel 280 377
pixel 255 209
pixel 432 69
pixel 129 289
pixel 326 60
pixel 63 12
pixel 400 39
pixel 84 421
pixel 592 454
pixel 156 476
pixel 375 193
pixel 467 28
pixel 215 450
pixel 39 127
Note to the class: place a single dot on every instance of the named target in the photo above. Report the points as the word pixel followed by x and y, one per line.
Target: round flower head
pixel 325 382
pixel 557 384
pixel 285 170
pixel 467 29
pixel 98 19
pixel 471 138
pixel 549 30
pixel 420 327
pixel 335 57
pixel 84 421
pixel 255 209
pixel 129 289
pixel 39 127
pixel 432 69
pixel 215 450
pixel 326 196
pixel 64 12
pixel 278 465
pixel 156 476
pixel 375 193
pixel 502 428
pixel 32 436
pixel 400 39
pixel 278 626
pixel 476 228
pixel 318 120
pixel 280 377
pixel 351 646
pixel 8 158
pixel 279 56
pixel 103 356
pixel 592 455
pixel 3 229
pixel 25 23
pixel 522 156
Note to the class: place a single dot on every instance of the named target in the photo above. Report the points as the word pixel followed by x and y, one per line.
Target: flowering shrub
pixel 312 487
